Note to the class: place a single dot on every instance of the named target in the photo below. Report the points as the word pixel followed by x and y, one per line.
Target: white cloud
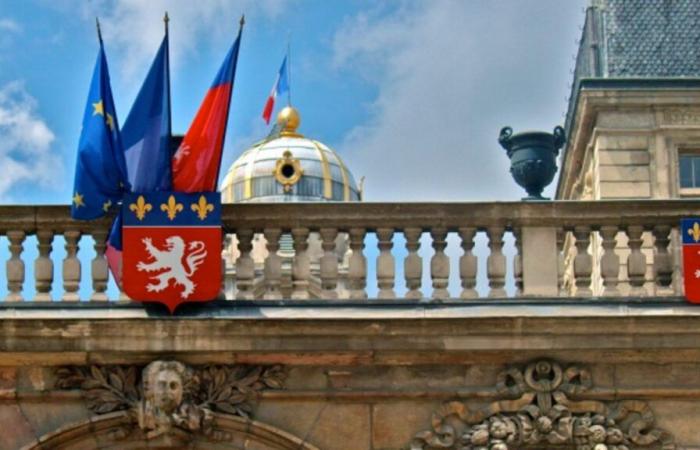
pixel 134 27
pixel 449 75
pixel 25 141
pixel 9 26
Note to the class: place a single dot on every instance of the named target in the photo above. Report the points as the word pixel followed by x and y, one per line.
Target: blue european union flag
pixel 100 171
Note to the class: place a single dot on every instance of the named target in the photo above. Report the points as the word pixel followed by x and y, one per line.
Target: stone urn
pixel 532 158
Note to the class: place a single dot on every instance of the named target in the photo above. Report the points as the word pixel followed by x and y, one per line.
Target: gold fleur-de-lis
pixel 695 232
pixel 140 208
pixel 202 208
pixel 172 207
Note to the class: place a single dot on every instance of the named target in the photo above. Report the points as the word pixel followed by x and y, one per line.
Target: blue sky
pixel 412 94
pixel 389 85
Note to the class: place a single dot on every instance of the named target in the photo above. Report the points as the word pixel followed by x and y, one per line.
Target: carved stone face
pixel 167 390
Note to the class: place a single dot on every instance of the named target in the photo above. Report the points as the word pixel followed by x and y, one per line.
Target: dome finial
pixel 288 120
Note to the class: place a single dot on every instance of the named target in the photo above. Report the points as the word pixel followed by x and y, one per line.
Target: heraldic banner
pixel 172 247
pixel 690 231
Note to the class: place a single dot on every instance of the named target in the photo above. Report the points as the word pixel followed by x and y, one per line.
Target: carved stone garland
pixel 169 396
pixel 537 411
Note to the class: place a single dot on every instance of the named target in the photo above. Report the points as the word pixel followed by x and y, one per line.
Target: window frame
pixel 687 191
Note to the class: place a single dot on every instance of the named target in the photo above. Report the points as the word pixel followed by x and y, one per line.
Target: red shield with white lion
pixel 172 247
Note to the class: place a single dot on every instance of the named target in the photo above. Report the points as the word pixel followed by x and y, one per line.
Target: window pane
pixel 696 171
pixel 686 166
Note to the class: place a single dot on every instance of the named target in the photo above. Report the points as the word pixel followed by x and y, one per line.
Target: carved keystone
pixel 169 396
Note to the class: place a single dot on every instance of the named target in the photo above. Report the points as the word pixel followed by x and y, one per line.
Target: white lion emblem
pixel 171 259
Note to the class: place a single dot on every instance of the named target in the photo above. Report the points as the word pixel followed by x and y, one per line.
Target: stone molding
pixel 314 216
pixel 113 431
pixel 168 398
pixel 543 404
pixel 682 116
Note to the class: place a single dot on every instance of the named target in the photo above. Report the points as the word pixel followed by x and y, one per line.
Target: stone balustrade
pixel 559 249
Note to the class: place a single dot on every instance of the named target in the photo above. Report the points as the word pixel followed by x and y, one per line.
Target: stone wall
pixel 376 407
pixel 356 378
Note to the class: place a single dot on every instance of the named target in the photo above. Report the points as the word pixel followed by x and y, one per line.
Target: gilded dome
pixel 289 168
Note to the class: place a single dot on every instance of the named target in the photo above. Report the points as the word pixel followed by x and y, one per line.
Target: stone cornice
pixel 334 334
pixel 424 215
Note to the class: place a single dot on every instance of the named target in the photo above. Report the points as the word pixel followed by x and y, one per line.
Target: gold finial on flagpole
pixel 99 31
pixel 166 19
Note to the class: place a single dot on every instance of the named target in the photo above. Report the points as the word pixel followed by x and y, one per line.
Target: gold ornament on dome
pixel 288 171
pixel 288 120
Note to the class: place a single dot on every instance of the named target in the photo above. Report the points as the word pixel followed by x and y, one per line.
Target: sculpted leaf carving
pixel 538 409
pixel 170 396
pixel 106 389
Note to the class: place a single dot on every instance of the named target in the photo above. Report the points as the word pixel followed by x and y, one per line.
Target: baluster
pixel 245 266
pixel 583 262
pixel 99 269
pixel 43 266
pixel 385 263
pixel 225 242
pixel 357 272
pixel 561 264
pixel 439 264
pixel 273 264
pixel 663 259
pixel 413 263
pixel 610 261
pixel 15 266
pixel 300 267
pixel 71 266
pixel 636 261
pixel 496 262
pixel 518 263
pixel 329 264
pixel 468 263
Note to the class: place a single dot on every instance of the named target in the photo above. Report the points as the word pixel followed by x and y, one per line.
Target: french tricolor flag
pixel 280 87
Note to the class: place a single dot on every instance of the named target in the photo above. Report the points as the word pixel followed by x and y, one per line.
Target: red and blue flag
pixel 197 161
pixel 172 247
pixel 690 232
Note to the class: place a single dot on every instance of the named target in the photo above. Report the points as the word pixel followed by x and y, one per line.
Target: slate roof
pixel 638 39
pixel 652 38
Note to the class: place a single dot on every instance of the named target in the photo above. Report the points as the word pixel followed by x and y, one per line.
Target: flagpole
pixel 289 70
pixel 99 31
pixel 166 20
